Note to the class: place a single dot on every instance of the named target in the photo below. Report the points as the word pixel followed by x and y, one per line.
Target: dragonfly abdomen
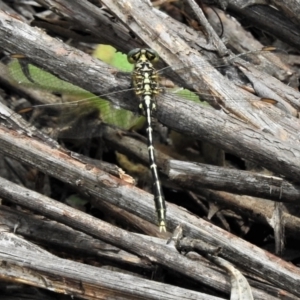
pixel 158 194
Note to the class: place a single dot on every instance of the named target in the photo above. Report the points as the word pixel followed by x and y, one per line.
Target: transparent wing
pixel 75 115
pixel 265 58
pixel 69 114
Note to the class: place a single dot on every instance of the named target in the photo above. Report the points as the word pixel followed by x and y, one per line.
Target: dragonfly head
pixel 137 54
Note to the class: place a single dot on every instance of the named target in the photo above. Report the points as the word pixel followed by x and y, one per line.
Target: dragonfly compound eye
pixel 151 55
pixel 134 55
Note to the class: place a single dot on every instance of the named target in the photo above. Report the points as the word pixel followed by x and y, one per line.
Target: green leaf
pixel 122 118
pixel 41 79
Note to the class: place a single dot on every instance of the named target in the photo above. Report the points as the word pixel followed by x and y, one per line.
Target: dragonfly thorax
pixel 144 77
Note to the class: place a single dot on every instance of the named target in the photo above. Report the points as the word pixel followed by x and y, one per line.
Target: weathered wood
pixel 94 20
pixel 157 253
pixel 63 238
pixel 273 20
pixel 257 209
pixel 195 176
pixel 25 262
pixel 97 183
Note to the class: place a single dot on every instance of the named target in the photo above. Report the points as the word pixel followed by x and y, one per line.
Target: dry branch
pixel 96 183
pixel 243 125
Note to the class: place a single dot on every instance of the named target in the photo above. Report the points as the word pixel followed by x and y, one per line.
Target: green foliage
pixel 109 55
pixel 119 117
pixel 42 79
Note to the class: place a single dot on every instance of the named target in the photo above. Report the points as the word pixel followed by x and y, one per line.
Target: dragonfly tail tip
pixel 162 227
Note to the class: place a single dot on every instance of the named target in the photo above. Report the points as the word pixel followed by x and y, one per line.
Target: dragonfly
pixel 145 81
pixel 146 85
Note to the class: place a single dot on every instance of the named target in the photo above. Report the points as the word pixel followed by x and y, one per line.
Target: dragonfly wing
pixel 226 66
pixel 76 114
